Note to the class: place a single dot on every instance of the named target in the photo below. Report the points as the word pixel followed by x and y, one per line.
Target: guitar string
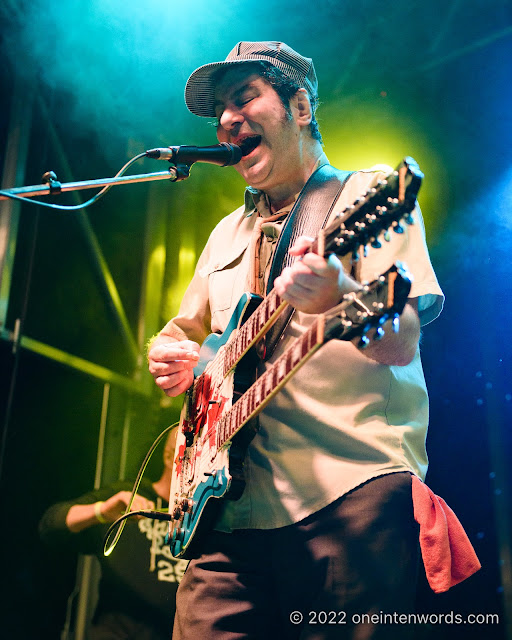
pixel 261 381
pixel 220 365
pixel 245 335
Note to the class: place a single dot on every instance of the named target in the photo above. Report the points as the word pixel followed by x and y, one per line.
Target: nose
pixel 230 119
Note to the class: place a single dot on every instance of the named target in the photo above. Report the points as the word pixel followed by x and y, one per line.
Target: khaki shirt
pixel 343 418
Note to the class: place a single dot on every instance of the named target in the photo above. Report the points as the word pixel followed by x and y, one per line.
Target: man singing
pixel 325 523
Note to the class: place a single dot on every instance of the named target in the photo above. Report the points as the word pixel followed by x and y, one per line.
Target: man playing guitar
pixel 324 530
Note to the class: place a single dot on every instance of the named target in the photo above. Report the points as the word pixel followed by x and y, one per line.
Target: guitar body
pixel 202 472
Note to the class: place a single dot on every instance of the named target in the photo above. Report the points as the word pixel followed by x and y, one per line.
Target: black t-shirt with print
pixel 140 577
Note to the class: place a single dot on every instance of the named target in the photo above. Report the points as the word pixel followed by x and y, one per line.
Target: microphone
pixel 222 154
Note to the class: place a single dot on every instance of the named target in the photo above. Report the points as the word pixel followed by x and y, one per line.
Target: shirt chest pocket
pixel 226 280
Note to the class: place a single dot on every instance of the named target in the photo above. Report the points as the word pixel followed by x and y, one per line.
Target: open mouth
pixel 249 144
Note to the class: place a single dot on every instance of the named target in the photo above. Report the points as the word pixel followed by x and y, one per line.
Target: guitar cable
pixel 116 528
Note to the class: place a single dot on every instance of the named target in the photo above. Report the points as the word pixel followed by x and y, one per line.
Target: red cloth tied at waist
pixel 448 556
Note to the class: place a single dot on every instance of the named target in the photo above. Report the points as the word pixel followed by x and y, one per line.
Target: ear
pixel 302 108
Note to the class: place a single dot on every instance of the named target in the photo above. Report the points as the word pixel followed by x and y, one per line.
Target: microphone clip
pixel 179 172
pixel 50 178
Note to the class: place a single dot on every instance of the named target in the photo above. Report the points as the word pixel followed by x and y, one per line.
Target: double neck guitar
pixel 219 414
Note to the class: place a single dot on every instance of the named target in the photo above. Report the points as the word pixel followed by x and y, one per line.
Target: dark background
pixel 430 80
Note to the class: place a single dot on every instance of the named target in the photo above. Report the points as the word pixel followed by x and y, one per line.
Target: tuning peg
pixel 396 323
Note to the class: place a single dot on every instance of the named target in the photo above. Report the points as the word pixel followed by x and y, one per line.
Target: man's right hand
pixel 115 506
pixel 83 516
pixel 171 364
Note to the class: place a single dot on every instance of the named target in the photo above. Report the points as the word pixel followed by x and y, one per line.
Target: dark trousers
pixel 333 575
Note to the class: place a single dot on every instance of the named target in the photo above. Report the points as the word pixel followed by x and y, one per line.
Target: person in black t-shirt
pixel 140 578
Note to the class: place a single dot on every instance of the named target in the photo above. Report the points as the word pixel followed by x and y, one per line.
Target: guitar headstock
pixel 382 300
pixel 380 209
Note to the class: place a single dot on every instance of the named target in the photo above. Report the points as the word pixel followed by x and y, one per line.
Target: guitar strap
pixel 309 214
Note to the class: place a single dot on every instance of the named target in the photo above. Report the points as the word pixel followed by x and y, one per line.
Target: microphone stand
pixel 52 186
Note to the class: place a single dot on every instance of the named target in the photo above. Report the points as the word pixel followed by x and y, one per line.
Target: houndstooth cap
pixel 200 90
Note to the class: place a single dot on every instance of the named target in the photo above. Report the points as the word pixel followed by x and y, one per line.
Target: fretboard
pixel 270 382
pixel 253 329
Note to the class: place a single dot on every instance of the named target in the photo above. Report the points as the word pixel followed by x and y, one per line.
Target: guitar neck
pixel 253 329
pixel 270 382
pixel 372 306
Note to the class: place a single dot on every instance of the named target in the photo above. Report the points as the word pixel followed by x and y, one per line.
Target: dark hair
pixel 285 88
